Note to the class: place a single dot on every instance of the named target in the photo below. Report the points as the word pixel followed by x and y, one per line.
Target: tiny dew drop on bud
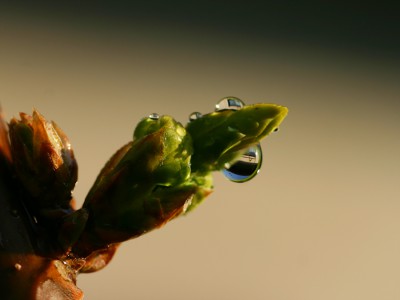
pixel 154 116
pixel 246 167
pixel 230 103
pixel 194 116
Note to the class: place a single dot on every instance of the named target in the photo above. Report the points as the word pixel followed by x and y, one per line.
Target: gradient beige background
pixel 320 221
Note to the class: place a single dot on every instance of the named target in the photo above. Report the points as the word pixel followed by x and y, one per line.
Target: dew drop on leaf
pixel 231 103
pixel 246 167
pixel 154 116
pixel 194 116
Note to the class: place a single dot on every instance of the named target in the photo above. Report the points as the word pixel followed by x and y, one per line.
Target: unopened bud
pixel 144 185
pixel 43 159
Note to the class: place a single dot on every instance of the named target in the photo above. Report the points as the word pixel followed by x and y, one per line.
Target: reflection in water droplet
pixel 232 103
pixel 246 167
pixel 194 116
pixel 154 116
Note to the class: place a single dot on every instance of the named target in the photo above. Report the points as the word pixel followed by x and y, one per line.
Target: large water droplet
pixel 154 116
pixel 246 167
pixel 194 116
pixel 231 103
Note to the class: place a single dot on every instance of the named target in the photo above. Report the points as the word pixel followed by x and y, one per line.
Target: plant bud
pixel 44 160
pixel 223 136
pixel 144 185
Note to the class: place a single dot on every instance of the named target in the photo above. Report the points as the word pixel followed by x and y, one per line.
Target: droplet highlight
pixel 246 167
pixel 194 116
pixel 154 116
pixel 18 267
pixel 231 103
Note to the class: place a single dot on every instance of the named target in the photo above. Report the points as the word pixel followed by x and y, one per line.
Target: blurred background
pixel 320 221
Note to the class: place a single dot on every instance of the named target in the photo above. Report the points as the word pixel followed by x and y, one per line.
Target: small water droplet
pixel 231 103
pixel 18 267
pixel 246 167
pixel 194 116
pixel 154 116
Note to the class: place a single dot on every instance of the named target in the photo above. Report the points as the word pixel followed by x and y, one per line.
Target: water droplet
pixel 246 167
pixel 194 116
pixel 154 116
pixel 231 103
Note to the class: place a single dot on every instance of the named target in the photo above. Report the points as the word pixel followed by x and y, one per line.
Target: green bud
pixel 166 171
pixel 44 160
pixel 220 137
pixel 143 185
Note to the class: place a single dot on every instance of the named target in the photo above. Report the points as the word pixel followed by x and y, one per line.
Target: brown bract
pixel 44 160
pixel 31 267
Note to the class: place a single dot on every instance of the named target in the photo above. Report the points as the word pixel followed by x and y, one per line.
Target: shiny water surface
pixel 154 116
pixel 246 167
pixel 232 103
